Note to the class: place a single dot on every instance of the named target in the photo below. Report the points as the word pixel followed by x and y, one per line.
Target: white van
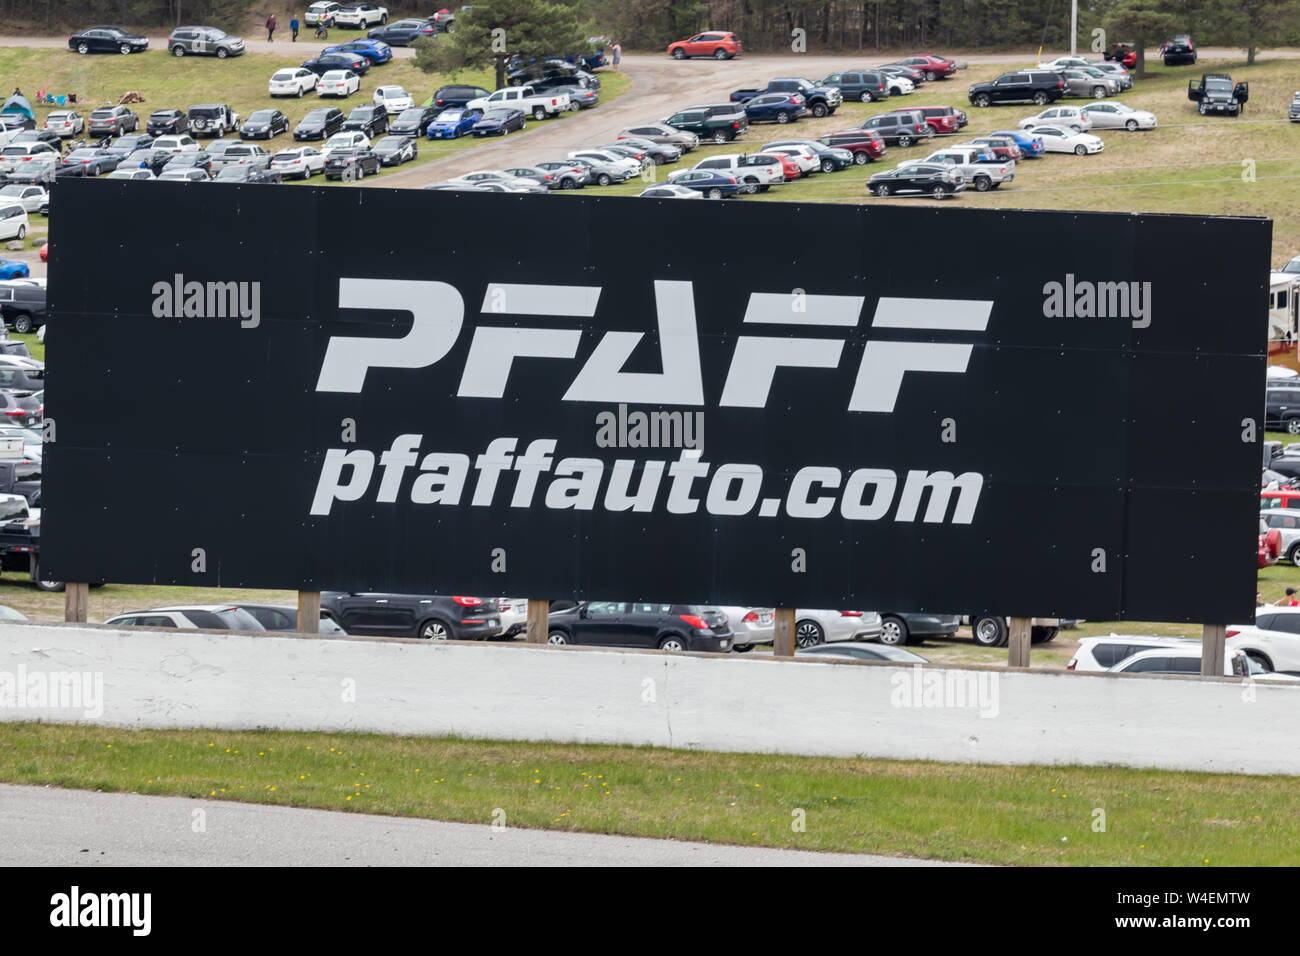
pixel 13 221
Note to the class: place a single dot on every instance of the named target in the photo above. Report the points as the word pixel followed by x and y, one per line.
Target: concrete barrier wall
pixel 167 679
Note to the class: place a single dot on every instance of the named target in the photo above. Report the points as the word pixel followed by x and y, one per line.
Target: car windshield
pixel 316 116
pixel 1219 86
pixel 233 172
pixel 447 116
pixel 389 142
pixel 283 76
pixel 204 111
pixel 261 116
pixel 102 114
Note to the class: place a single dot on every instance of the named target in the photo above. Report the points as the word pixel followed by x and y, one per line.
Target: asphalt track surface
pixel 42 826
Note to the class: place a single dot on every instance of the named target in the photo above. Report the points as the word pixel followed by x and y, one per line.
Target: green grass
pixel 168 82
pixel 1191 164
pixel 988 814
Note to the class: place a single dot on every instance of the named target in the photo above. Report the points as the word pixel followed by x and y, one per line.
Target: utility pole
pixel 1074 27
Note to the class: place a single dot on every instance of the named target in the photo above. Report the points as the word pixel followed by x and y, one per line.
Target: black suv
pixel 320 123
pixel 1216 93
pixel 21 478
pixel 900 128
pixel 413 121
pixel 669 627
pixel 1180 49
pixel 1282 409
pixel 457 96
pixel 865 86
pixel 371 119
pixel 1039 87
pixel 430 616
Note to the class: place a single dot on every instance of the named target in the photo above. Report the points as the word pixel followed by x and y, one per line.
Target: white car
pixel 1273 639
pixel 1119 116
pixel 514 615
pixel 393 98
pixel 338 83
pixel 805 157
pixel 291 81
pixel 30 198
pixel 1068 117
pixel 324 11
pixel 347 139
pixel 65 122
pixel 15 154
pixel 754 171
pixel 670 191
pixel 631 166
pixel 481 177
pixel 1187 660
pixel 177 144
pixel 1097 654
pixel 362 16
pixel 189 617
pixel 298 162
pixel 33 442
pixel 131 174
pixel 1057 139
pixel 1065 62
pixel 899 85
pixel 13 221
pixel 751 625
pixel 826 626
pixel 190 174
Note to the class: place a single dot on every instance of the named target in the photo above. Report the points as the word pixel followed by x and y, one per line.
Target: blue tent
pixel 17 103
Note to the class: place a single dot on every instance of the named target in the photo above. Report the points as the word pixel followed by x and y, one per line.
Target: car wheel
pixel 782 118
pixel 83 48
pixel 751 186
pixel 743 648
pixel 1040 99
pixel 982 100
pixel 539 114
pixel 1261 660
pixel 301 90
pixel 808 634
pixel 1131 125
pixel 720 136
pixel 557 637
pixel 673 642
pixel 178 51
pixel 894 630
pixel 222 53
pixel 1081 150
pixel 1200 108
pixel 679 54
pixel 1042 635
pixel 939 191
pixel 1293 426
pixel 603 179
pixel 983 184
pixel 436 630
pixel 861 159
pixel 929 76
pixel 567 184
pixel 22 232
pixel 904 141
pixel 866 96
pixel 719 54
pixel 715 193
pixel 1099 92
pixel 989 631
pixel 882 191
pixel 23 325
pixel 819 110
pixel 383 19
pixel 124 49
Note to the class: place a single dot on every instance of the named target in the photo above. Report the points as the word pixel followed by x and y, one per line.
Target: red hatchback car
pixel 933 67
pixel 720 46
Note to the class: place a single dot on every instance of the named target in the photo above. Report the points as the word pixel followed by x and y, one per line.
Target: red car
pixel 789 167
pixel 1270 544
pixel 931 67
pixel 944 119
pixel 1002 147
pixel 865 144
pixel 719 45
pixel 45 252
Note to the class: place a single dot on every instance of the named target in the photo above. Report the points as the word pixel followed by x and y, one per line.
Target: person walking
pixel 270 28
pixel 618 54
pixel 293 28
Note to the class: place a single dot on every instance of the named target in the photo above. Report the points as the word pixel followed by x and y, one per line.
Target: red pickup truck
pixel 943 119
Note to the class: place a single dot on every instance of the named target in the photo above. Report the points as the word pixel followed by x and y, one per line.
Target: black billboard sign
pixel 741 402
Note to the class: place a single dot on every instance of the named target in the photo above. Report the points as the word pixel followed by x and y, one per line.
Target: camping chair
pixel 63 100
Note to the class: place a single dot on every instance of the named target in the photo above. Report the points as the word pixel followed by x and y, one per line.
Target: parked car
pixel 499 122
pixel 754 172
pixel 1119 116
pixel 712 183
pixel 932 67
pixel 246 173
pixel 135 173
pixel 859 652
pixel 112 121
pixel 663 134
pixel 66 123
pixel 775 108
pixel 319 123
pixel 819 100
pixel 244 154
pixel 429 616
pixel 360 16
pixel 22 308
pixel 15 155
pixel 322 12
pixel 90 161
pixel 940 182
pixel 341 83
pixel 264 124
pixel 404 32
pixel 394 99
pixel 413 121
pixel 292 81
pixel 863 86
pixel 395 150
pixel 1178 50
pixel 1293 111
pixel 1183 660
pixel 453 123
pixel 865 145
pixel 994 630
pixel 805 159
pixel 1002 147
pixel 298 162
pixel 166 121
pixel 284 618
pixel 1096 654
pixel 900 128
pixel 1217 93
pixel 375 51
pixel 30 197
pixel 1272 639
pixel 370 118
pixel 897 80
pixel 669 627
pixel 1088 82
pixel 1024 86
pixel 457 95
pixel 813 627
pixel 660 154
pixel 899 627
pixel 1117 72
pixel 126 145
pixel 719 45
pixel 1069 117
pixel 193 159
pixel 212 119
pixel 177 144
pixel 525 99
pixel 206 41
pixel 191 174
pixel 1030 145
pixel 717 123
pixel 214 617
pixel 1057 139
pixel 330 62
pixel 352 163
pixel 670 191
pixel 13 269
pixel 107 40
pixel 569 173
pixel 943 119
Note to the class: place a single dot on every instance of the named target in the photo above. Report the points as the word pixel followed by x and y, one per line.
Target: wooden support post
pixel 308 612
pixel 1213 647
pixel 539 615
pixel 783 623
pixel 76 602
pixel 1018 642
